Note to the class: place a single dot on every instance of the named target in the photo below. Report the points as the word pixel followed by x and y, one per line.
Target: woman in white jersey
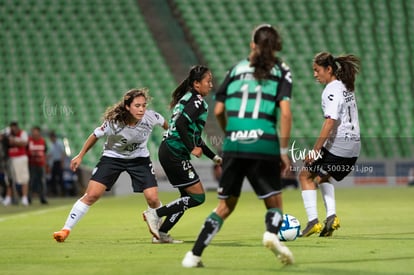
pixel 337 148
pixel 127 127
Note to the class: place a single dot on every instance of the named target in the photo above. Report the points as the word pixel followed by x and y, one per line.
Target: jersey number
pixel 245 98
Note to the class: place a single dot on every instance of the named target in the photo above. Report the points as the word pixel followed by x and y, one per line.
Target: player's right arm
pixel 104 130
pixel 220 98
pixel 89 143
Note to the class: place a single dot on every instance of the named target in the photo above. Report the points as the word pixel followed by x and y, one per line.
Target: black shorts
pixel 263 175
pixel 180 172
pixel 331 165
pixel 140 170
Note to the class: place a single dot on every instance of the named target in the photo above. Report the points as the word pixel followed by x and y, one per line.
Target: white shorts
pixel 19 167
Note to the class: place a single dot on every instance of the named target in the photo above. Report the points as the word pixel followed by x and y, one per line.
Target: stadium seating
pixel 375 30
pixel 64 62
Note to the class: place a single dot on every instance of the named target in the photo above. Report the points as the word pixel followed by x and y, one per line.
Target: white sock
pixel 310 203
pixel 328 195
pixel 155 208
pixel 78 210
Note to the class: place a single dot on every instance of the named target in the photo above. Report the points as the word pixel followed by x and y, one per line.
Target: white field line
pixel 32 213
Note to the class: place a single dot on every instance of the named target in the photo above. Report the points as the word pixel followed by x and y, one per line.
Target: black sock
pixel 273 220
pixel 179 205
pixel 170 221
pixel 211 226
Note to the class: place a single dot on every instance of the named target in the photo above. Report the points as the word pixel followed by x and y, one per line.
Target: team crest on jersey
pixel 191 174
pixel 246 136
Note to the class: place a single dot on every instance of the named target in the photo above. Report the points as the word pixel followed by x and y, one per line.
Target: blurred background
pixel 62 63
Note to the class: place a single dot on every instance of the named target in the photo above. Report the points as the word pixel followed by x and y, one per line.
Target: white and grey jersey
pixel 128 142
pixel 340 105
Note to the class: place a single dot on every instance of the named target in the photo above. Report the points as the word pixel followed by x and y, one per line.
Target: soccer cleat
pixel 7 201
pixel 190 260
pixel 314 226
pixel 331 224
pixel 165 238
pixel 282 252
pixel 60 236
pixel 151 218
pixel 25 201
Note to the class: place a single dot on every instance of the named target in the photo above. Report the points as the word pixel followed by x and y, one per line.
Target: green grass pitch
pixel 376 237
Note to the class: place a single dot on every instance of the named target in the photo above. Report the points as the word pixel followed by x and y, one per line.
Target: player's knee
pixel 197 199
pixel 90 199
pixel 153 202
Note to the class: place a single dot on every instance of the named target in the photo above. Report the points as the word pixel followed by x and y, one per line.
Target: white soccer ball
pixel 290 228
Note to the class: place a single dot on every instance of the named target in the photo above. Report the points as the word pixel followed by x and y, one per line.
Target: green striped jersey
pixel 194 108
pixel 252 108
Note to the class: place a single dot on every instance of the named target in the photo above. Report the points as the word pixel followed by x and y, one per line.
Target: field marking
pixel 33 213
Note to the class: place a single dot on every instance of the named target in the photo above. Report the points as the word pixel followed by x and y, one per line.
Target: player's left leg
pixel 309 196
pixel 172 218
pixel 210 228
pixel 192 196
pixel 267 185
pixel 328 195
pixel 93 192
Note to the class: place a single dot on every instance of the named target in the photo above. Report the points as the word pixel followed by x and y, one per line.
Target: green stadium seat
pixel 75 55
pixel 370 29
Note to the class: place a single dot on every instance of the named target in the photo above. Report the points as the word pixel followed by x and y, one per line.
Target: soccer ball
pixel 290 228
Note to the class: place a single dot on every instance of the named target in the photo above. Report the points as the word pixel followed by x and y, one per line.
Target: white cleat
pixel 25 201
pixel 153 221
pixel 7 201
pixel 281 251
pixel 191 260
pixel 165 238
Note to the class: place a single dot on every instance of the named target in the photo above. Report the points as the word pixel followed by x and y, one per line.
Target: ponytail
pixel 344 67
pixel 267 41
pixel 347 68
pixel 196 73
pixel 179 92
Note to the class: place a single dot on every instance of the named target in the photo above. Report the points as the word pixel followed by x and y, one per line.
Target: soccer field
pixel 376 237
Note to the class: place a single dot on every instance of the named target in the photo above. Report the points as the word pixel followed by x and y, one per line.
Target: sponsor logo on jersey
pixel 349 96
pixel 246 136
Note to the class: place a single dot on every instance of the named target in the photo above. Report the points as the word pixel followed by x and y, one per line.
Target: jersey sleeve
pixel 104 130
pixel 193 108
pixel 285 85
pixel 155 118
pixel 332 102
pixel 221 93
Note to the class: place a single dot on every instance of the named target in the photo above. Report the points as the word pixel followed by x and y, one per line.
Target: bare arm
pixel 219 112
pixel 285 127
pixel 327 127
pixel 89 143
pixel 285 123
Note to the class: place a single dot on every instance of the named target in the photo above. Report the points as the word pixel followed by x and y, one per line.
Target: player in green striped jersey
pixel 254 93
pixel 182 140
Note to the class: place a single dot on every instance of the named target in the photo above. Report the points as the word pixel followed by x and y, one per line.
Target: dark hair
pixel 118 112
pixel 37 128
pixel 14 124
pixel 196 73
pixel 344 67
pixel 263 58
